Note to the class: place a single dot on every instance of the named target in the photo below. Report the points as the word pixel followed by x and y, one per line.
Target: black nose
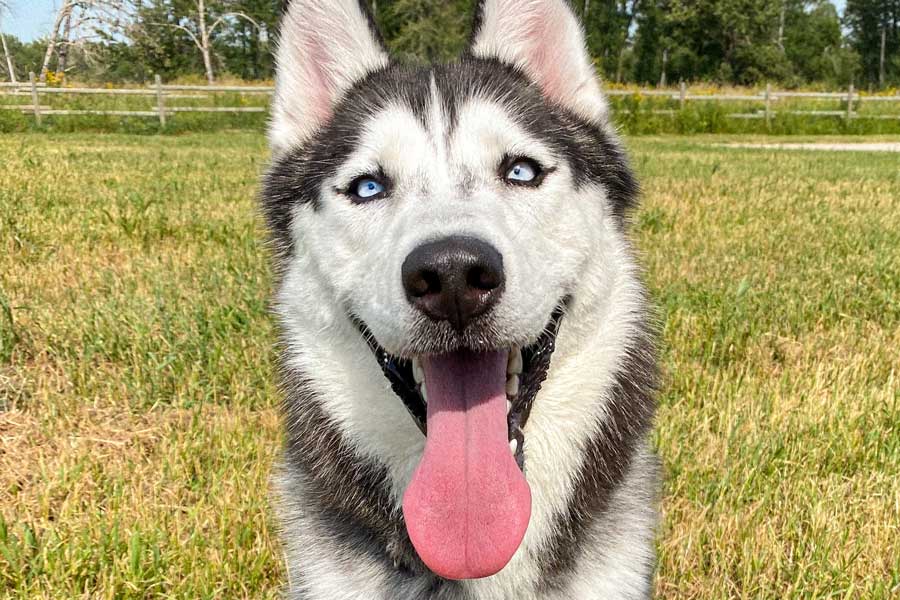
pixel 455 279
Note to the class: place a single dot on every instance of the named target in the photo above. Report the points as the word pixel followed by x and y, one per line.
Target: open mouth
pixel 468 505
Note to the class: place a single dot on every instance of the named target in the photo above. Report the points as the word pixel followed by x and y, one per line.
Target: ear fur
pixel 325 46
pixel 546 41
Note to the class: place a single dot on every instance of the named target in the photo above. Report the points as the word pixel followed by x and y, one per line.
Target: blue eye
pixel 367 187
pixel 523 171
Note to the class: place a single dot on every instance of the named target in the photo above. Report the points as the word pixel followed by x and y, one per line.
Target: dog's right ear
pixel 324 47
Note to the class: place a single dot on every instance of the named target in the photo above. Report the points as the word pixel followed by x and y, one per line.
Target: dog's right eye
pixel 367 188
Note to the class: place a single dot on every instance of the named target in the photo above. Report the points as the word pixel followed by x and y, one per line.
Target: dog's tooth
pixel 514 445
pixel 508 406
pixel 424 391
pixel 514 363
pixel 512 386
pixel 418 370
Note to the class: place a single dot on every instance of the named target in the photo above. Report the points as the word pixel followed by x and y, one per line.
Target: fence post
pixel 850 103
pixel 682 96
pixel 768 104
pixel 35 103
pixel 160 102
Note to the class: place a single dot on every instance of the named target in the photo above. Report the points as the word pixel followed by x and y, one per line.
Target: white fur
pixel 556 240
pixel 352 254
pixel 544 39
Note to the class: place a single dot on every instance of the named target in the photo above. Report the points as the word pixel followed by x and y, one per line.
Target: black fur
pixel 608 455
pixel 350 494
pixel 477 24
pixel 351 498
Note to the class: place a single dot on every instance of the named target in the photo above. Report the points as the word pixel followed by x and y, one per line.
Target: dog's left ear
pixel 545 40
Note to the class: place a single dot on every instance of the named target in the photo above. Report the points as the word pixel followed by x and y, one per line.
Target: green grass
pixel 137 419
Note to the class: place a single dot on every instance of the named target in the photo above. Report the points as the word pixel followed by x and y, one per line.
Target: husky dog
pixel 467 364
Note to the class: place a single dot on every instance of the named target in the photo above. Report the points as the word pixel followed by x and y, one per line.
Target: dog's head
pixel 451 213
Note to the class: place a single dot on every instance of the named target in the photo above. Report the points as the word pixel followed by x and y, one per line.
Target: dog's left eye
pixel 522 171
pixel 367 188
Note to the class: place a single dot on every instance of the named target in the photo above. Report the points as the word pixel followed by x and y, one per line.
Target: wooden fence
pixel 768 99
pixel 163 96
pixel 162 109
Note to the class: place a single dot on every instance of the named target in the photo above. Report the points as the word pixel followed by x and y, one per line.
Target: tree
pixel 199 20
pixel 875 34
pixel 811 39
pixel 4 6
pixel 246 48
pixel 64 13
pixel 609 31
pixel 651 47
pixel 732 41
pixel 80 21
pixel 425 30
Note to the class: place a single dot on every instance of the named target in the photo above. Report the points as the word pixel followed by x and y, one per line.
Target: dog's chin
pixel 468 504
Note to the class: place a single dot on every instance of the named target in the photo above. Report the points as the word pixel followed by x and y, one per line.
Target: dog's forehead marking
pixel 437 122
pixel 446 153
pixel 434 152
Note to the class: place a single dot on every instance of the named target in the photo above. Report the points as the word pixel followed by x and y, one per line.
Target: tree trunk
pixel 881 59
pixel 665 64
pixel 620 64
pixel 662 76
pixel 64 47
pixel 9 63
pixel 65 10
pixel 256 48
pixel 780 40
pixel 626 36
pixel 586 10
pixel 204 42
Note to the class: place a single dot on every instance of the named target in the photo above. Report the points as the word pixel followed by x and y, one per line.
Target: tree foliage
pixel 875 34
pixel 425 30
pixel 790 42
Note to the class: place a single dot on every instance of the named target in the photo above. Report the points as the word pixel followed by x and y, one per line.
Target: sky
pixel 30 19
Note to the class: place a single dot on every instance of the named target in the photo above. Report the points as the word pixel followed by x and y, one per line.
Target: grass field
pixel 137 409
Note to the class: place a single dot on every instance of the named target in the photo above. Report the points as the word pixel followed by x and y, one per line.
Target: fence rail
pixel 161 110
pixel 767 99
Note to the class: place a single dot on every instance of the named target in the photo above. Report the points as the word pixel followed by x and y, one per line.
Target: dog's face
pixel 391 158
pixel 451 214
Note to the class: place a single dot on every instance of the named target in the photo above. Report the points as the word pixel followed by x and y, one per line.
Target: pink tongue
pixel 468 505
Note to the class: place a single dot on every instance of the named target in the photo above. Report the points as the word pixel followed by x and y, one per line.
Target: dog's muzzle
pixel 468 504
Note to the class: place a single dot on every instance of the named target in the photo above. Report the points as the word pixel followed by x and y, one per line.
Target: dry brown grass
pixel 138 424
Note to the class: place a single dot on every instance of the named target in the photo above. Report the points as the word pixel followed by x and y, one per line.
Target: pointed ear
pixel 324 47
pixel 546 41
